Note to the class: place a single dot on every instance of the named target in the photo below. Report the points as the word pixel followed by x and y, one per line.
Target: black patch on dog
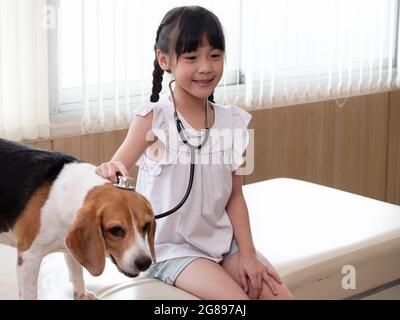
pixel 22 171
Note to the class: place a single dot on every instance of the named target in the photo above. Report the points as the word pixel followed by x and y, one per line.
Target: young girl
pixel 205 247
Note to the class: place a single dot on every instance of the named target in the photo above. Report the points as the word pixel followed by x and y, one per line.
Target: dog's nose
pixel 143 263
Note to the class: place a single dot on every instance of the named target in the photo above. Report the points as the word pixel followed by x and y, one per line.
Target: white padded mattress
pixel 307 231
pixel 310 232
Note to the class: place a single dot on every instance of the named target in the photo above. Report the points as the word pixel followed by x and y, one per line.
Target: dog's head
pixel 116 223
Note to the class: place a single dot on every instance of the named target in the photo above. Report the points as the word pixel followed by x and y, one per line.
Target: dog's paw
pixel 87 295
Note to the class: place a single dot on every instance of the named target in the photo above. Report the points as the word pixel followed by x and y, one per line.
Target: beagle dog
pixel 53 202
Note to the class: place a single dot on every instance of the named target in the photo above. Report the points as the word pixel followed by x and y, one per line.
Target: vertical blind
pixel 296 51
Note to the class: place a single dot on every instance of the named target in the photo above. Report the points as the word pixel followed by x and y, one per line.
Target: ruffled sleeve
pixel 159 120
pixel 159 127
pixel 240 122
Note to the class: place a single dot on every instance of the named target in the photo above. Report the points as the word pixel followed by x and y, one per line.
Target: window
pixel 318 48
pixel 279 51
pixel 119 39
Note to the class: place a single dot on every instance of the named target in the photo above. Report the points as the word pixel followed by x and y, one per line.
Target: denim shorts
pixel 168 270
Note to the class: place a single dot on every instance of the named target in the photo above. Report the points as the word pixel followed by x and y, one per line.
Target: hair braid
pixel 157 72
pixel 157 82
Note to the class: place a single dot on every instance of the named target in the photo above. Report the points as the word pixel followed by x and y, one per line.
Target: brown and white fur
pixel 87 218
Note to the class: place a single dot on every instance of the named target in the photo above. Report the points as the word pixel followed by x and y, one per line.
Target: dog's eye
pixel 117 231
pixel 146 227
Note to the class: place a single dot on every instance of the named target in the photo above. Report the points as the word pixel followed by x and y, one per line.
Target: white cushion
pixel 310 232
pixel 307 231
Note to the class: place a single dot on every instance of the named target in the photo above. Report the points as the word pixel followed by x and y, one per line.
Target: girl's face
pixel 197 72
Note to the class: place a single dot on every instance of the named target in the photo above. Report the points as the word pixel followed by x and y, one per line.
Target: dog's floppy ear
pixel 150 236
pixel 152 230
pixel 85 241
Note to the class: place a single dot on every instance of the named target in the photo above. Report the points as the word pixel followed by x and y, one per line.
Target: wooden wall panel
pixel 393 170
pixel 342 147
pixel 45 144
pixel 361 145
pixel 94 148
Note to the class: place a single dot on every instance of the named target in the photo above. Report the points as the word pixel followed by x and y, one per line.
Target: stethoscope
pixel 127 183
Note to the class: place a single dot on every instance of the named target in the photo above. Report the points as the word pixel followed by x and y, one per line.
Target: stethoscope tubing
pixel 193 148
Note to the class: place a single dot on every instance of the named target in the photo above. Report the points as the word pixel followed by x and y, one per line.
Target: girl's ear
pixel 163 60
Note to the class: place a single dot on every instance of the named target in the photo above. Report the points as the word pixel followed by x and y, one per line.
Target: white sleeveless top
pixel 201 227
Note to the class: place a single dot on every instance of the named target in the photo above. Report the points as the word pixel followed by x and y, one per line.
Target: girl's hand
pixel 108 170
pixel 253 272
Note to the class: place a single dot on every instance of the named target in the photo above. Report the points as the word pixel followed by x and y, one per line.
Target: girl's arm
pixel 251 270
pixel 131 149
pixel 239 216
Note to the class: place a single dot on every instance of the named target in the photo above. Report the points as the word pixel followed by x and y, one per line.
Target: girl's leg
pixel 209 281
pixel 231 265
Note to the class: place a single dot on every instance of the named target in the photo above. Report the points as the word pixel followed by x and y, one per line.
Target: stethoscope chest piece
pixel 126 183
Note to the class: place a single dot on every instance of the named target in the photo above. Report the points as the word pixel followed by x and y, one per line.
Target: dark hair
pixel 182 30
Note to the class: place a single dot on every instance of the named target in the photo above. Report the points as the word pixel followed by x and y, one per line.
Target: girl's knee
pixel 287 295
pixel 239 295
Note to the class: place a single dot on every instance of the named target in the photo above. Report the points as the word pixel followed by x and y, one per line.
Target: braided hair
pixel 157 75
pixel 182 30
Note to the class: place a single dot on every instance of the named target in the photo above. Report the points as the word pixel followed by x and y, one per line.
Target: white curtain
pixel 296 51
pixel 24 106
